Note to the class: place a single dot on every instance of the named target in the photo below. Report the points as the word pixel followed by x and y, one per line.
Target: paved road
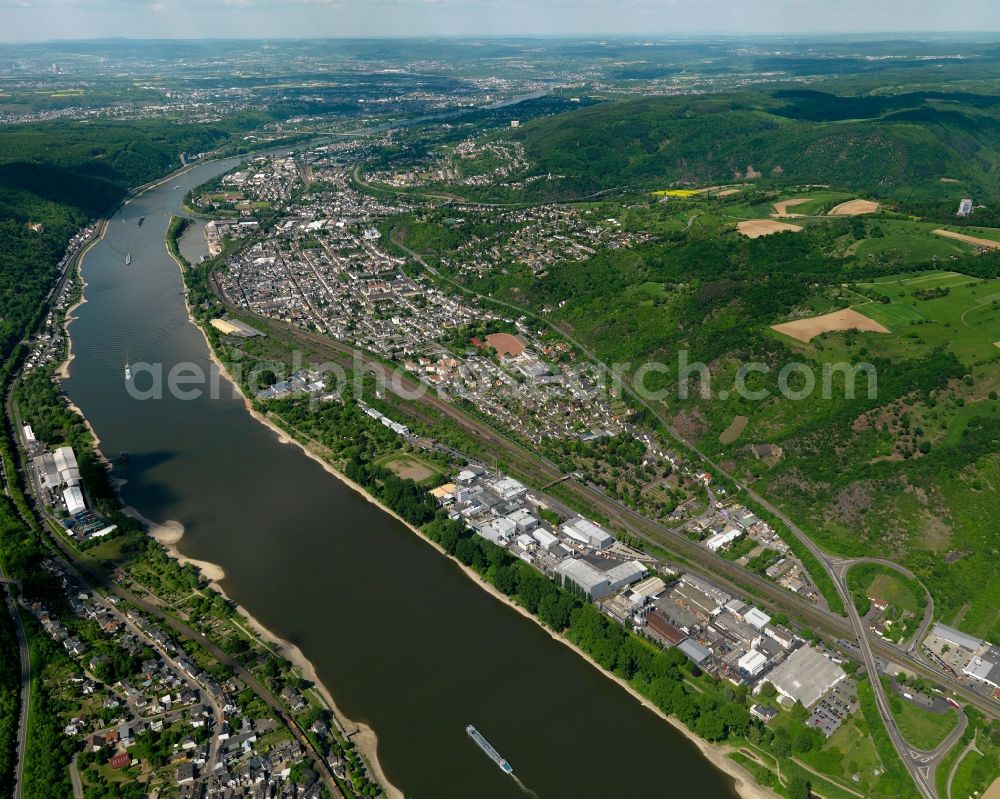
pixel 74 775
pixel 920 765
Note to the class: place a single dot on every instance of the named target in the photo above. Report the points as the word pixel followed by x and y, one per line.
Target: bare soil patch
pixel 988 244
pixel 755 228
pixel 734 431
pixel 854 208
pixel 807 329
pixel 505 343
pixel 410 469
pixel 781 208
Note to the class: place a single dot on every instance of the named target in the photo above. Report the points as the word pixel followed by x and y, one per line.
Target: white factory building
pixel 753 662
pixel 73 497
pixel 723 539
pixel 594 581
pixel 586 532
pixel 805 676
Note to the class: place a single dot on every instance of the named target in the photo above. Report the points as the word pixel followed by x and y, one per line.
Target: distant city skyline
pixel 44 20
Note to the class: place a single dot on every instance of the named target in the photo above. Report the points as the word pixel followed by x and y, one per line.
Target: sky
pixel 42 20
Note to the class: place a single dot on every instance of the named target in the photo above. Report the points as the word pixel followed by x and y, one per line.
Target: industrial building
pixel 660 628
pixel 588 578
pixel 752 663
pixel 595 581
pixel 586 532
pixel 723 539
pixel 805 676
pixel 985 667
pixel 757 618
pixel 694 650
pixel 73 497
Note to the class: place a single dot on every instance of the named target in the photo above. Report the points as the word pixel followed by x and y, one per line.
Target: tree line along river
pixel 404 641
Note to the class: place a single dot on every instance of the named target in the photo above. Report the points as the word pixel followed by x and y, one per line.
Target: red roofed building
pixel 120 760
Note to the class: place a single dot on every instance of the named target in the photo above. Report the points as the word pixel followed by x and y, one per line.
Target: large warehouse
pixel 805 676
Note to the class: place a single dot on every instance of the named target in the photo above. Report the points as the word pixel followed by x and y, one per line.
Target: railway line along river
pixel 402 638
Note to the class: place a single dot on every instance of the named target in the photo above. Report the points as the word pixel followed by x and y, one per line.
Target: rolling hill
pixel 884 146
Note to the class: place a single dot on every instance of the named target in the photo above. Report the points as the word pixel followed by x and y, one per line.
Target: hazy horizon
pixel 40 21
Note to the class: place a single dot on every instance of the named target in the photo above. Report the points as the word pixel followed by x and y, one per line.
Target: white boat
pixel 128 259
pixel 128 370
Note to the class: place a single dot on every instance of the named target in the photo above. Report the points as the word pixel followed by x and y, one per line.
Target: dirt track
pixel 987 244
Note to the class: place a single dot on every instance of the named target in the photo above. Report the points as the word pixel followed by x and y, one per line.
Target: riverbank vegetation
pixel 176 228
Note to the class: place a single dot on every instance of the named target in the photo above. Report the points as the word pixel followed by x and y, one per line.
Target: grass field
pixel 922 728
pixel 976 772
pixel 848 752
pixel 894 591
pixel 966 320
pixel 734 431
pixel 409 467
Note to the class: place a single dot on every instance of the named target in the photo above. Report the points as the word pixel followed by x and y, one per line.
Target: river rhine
pixel 401 637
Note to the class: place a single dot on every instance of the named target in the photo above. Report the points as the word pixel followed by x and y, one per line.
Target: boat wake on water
pixel 523 787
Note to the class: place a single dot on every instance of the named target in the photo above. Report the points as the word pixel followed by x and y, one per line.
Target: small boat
pixel 141 220
pixel 128 370
pixel 128 259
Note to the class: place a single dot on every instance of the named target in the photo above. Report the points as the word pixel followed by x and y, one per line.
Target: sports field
pixel 408 467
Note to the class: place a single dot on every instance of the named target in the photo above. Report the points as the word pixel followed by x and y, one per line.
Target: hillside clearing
pixel 806 330
pixel 756 228
pixel 781 208
pixel 734 431
pixel 854 208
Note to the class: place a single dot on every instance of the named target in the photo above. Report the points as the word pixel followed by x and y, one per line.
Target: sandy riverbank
pixel 362 735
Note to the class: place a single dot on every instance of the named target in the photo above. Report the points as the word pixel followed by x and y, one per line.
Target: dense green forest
pixel 10 698
pixel 885 146
pixel 62 174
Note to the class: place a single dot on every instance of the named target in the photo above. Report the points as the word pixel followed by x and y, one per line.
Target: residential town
pixel 148 709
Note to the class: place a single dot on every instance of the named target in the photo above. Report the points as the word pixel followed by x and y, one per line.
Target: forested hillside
pixel 59 175
pixel 886 146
